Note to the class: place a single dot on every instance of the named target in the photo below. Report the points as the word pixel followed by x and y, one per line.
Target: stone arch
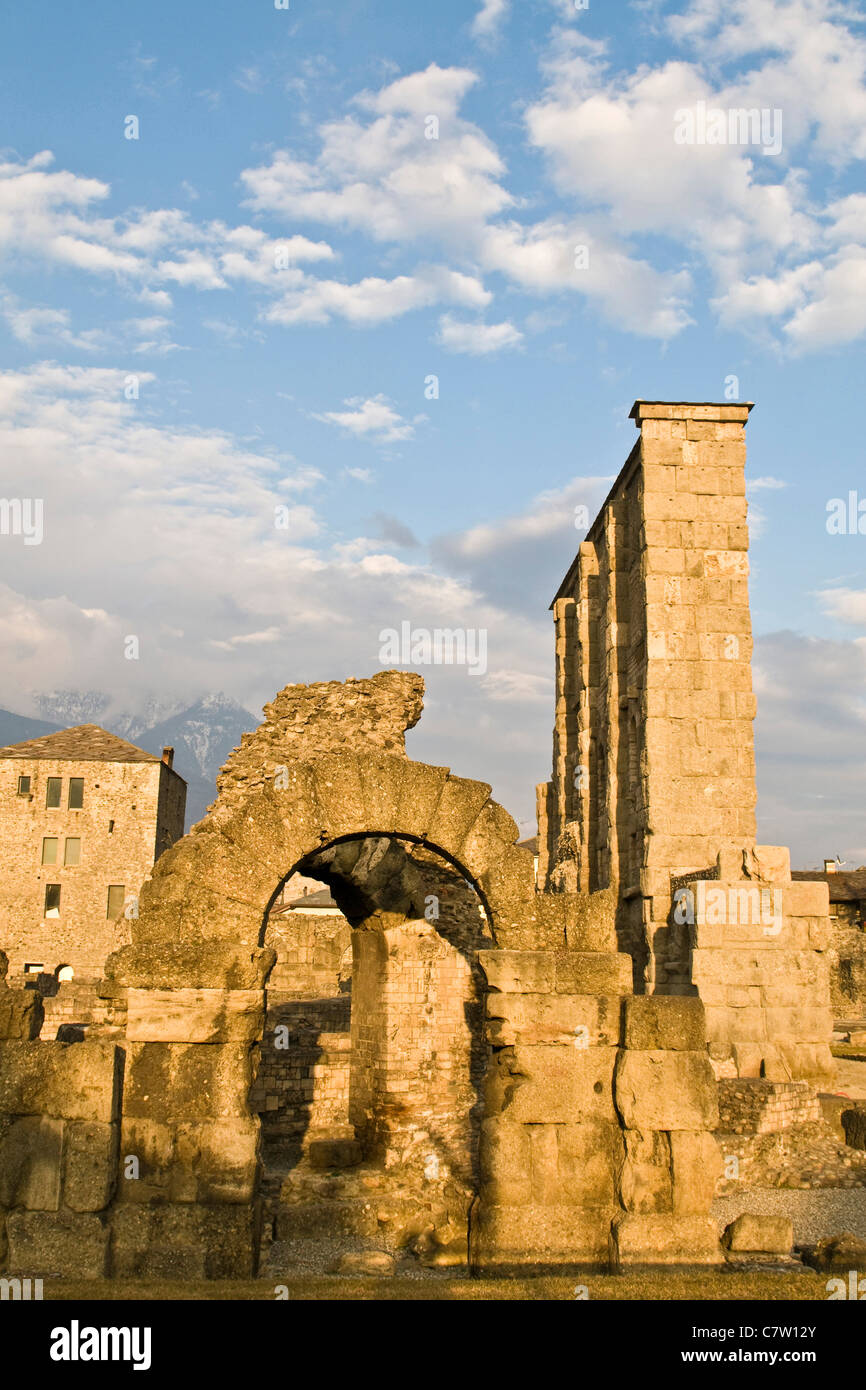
pixel 217 883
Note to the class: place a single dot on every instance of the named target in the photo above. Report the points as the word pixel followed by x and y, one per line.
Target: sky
pixel 321 319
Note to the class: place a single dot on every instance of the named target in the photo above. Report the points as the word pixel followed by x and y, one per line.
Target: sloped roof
pixel 83 743
pixel 846 885
pixel 531 844
pixel 321 898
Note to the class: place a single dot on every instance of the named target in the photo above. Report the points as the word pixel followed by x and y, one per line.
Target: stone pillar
pixel 59 1122
pixel 759 958
pixel 596 1152
pixel 666 1098
pixel 415 1011
pixel 697 706
pixel 186 1206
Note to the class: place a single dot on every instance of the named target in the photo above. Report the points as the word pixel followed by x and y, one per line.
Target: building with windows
pixel 83 817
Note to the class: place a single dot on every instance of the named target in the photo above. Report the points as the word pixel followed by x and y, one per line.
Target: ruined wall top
pixel 305 721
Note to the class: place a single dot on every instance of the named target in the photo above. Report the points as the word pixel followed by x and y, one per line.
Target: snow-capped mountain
pixel 202 734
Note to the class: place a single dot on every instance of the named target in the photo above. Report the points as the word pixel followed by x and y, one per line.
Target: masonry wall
pixel 653 763
pixel 131 811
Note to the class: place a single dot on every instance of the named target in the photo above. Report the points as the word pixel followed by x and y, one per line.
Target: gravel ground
pixel 825 1212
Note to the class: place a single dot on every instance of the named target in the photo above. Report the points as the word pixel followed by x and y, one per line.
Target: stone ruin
pixel 530 1076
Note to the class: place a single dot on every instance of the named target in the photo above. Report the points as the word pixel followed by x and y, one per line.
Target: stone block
pixel 765 1235
pixel 854 1124
pixel 503 1237
pixel 666 1240
pixel 696 1167
pixel 505 1162
pixel 174 964
pixel 21 1014
pixel 518 972
pixel 72 1081
pixel 174 1081
pixel 90 1165
pixel 645 1179
pixel 155 1241
pixel 194 1015
pixel 592 972
pixel 666 1090
pixel 31 1150
pixel 574 1164
pixel 674 1023
pixel 69 1245
pixel 577 1020
pixel 558 1085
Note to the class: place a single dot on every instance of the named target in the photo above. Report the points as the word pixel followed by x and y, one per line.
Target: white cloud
pixel 373 300
pixel 489 18
pixel 477 338
pixel 374 419
pixel 762 484
pixel 848 605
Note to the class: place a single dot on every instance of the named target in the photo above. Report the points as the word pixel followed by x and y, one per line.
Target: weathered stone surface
pixel 577 1020
pixel 90 1165
pixel 175 1081
pixel 666 1240
pixel 656 1021
pixel 376 1262
pixel 839 1253
pixel 854 1124
pixel 549 1085
pixel 696 1166
pixel 645 1180
pixel 177 964
pixel 189 1240
pixel 504 1237
pixel 73 1081
pixel 30 1159
pixel 666 1090
pixel 21 1014
pixel 194 1015
pixel 770 1235
pixel 69 1244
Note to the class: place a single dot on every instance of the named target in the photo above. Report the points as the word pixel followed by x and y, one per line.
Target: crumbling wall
pixel 306 721
pixel 59 1132
pixel 596 1146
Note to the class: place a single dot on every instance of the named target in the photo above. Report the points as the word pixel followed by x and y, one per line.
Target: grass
pixel 805 1286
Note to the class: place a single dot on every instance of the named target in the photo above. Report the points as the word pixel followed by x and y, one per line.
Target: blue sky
pixel 282 259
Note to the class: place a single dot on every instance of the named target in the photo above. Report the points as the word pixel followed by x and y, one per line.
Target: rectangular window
pixel 49 850
pixel 116 892
pixel 23 786
pixel 76 793
pixel 33 967
pixel 52 791
pixel 52 900
pixel 72 853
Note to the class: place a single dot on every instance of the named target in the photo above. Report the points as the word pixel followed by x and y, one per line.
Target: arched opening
pixel 373 1056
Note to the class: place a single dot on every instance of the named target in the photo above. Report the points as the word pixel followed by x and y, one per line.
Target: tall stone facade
pixel 83 817
pixel 653 786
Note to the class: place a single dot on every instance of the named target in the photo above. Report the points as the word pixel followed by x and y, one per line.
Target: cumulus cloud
pixel 374 418
pixel 489 18
pixel 478 339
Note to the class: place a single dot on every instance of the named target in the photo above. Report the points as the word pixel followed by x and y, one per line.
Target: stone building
pixel 847 891
pixel 83 817
pixel 653 787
